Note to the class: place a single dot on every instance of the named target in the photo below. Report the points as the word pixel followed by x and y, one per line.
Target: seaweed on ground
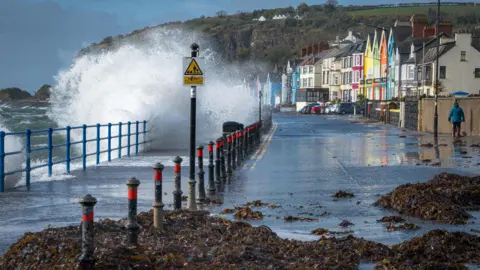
pixel 446 198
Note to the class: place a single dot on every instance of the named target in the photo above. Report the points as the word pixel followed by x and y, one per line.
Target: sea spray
pixel 144 82
pixel 13 162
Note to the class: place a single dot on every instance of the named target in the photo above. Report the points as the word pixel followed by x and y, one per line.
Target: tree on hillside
pixel 222 13
pixel 43 93
pixel 302 8
pixel 330 6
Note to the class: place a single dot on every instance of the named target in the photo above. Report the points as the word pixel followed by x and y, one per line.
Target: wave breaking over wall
pixel 144 82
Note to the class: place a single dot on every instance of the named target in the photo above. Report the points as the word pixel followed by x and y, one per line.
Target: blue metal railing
pixel 67 143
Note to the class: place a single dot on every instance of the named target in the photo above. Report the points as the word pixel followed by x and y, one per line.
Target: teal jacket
pixel 456 114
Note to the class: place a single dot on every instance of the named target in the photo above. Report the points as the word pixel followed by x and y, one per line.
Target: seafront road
pixel 302 162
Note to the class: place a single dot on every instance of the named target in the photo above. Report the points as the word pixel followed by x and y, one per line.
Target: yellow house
pixel 368 69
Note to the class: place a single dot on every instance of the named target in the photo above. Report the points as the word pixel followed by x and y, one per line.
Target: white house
pixel 459 61
pixel 280 17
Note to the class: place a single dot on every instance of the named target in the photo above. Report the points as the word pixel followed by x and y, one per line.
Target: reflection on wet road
pixel 305 161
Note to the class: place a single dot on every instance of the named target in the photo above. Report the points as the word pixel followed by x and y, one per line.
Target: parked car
pixel 345 108
pixel 316 109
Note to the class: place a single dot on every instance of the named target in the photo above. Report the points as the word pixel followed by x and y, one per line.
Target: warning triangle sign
pixel 193 69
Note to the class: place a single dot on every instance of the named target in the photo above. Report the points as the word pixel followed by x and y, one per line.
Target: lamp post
pixel 435 113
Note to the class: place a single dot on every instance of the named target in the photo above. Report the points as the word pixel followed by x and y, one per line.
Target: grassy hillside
pixel 451 11
pixel 239 37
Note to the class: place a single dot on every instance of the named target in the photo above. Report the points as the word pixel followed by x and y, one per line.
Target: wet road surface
pixel 303 161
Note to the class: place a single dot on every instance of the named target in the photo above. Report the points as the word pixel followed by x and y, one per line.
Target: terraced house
pixel 368 69
pixel 357 83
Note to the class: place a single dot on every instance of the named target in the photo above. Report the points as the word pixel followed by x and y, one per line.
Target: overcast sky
pixel 39 37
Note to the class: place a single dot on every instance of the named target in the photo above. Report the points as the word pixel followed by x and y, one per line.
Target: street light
pixel 435 114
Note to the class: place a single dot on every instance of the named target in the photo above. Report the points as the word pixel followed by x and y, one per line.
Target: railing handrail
pixel 68 144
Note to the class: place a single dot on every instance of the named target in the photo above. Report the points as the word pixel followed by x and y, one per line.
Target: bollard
pixel 177 193
pixel 223 167
pixel 132 226
pixel 158 204
pixel 201 175
pixel 233 146
pixel 211 167
pixel 239 148
pixel 86 260
pixel 218 168
pixel 229 155
pixel 192 203
pixel 245 143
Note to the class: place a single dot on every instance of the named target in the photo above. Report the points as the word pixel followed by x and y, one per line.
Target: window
pixel 335 79
pixel 310 69
pixel 443 72
pixel 370 73
pixel 304 83
pixel 357 60
pixel 350 77
pixel 411 72
pixel 477 73
pixel 463 56
pixel 310 82
pixel 313 96
pixel 304 70
pixel 428 73
pixel 357 76
pixel 351 61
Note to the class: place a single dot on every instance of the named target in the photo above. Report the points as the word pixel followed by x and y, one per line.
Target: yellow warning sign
pixel 193 69
pixel 193 80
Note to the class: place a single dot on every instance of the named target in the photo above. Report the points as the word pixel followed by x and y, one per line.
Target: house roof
pixel 431 53
pixel 401 33
pixel 319 57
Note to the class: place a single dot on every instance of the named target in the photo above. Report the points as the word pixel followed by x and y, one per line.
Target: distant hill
pixel 242 37
pixel 13 93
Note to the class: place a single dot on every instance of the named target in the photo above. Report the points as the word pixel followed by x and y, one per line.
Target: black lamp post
pixel 435 113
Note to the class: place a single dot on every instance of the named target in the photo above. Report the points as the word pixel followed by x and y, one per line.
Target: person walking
pixel 456 117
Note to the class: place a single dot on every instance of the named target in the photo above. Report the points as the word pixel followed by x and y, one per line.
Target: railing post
pixel 201 175
pixel 128 139
pixel 50 152
pixel 98 144
pixel 68 143
pixel 211 168
pixel 84 146
pixel 28 150
pixel 109 139
pixel 119 140
pixel 144 134
pixel 2 161
pixel 136 137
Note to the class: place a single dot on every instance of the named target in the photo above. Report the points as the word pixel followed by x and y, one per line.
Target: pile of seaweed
pixel 445 198
pixel 437 249
pixel 196 240
pixel 192 240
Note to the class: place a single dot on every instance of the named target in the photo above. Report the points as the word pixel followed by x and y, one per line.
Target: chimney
pixel 463 40
pixel 428 31
pixel 303 52
pixel 322 46
pixel 315 48
pixel 445 27
pixel 418 21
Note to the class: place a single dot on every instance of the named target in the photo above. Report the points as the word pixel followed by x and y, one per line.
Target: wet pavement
pixel 301 164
